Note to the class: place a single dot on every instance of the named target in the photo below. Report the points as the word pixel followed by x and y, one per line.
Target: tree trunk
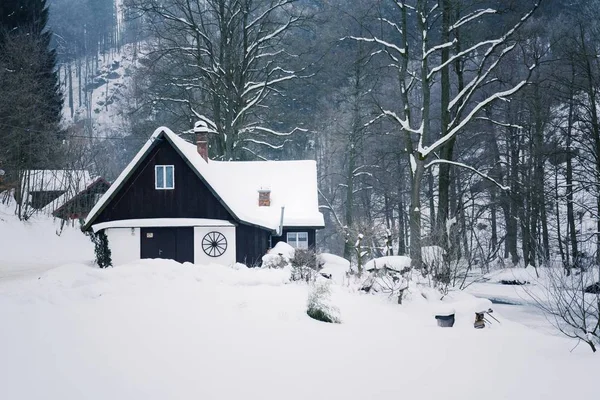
pixel 446 150
pixel 70 83
pixel 511 202
pixel 569 181
pixel 401 222
pixel 415 215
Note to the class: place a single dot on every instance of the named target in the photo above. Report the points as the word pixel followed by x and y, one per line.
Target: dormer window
pixel 164 177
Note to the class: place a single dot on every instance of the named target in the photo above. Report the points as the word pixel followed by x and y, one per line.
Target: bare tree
pixel 572 302
pixel 221 61
pixel 417 61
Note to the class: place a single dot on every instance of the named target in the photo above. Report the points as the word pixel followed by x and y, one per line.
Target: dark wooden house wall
pixel 138 198
pixel 191 198
pixel 283 237
pixel 251 244
pixel 81 204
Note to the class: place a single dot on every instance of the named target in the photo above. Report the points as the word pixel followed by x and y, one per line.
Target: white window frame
pixel 292 240
pixel 164 176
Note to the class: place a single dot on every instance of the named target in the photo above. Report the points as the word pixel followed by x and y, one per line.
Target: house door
pixel 168 243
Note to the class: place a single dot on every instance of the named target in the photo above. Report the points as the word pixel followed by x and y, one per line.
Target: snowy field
pixel 30 247
pixel 161 330
pixel 158 329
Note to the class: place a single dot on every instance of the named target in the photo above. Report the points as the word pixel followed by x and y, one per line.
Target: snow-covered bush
pixel 279 256
pixel 388 275
pixel 273 261
pixel 334 267
pixel 304 265
pixel 319 305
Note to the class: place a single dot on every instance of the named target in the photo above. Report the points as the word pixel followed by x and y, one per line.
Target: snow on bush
pixel 395 263
pixel 334 267
pixel 387 275
pixel 302 263
pixel 319 305
pixel 279 256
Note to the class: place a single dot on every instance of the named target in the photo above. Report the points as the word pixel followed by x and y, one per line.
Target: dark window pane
pixel 170 177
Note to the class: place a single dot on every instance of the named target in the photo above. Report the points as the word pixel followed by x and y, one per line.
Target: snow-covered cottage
pixel 173 202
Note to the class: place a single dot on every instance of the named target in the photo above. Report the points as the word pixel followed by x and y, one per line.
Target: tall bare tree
pixel 417 61
pixel 221 61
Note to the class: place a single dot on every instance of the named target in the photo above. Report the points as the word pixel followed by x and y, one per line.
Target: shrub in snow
pixel 572 309
pixel 319 304
pixel 273 261
pixel 304 265
pixel 101 249
pixel 279 256
pixel 387 275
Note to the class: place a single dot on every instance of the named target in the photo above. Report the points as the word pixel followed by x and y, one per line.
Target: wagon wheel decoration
pixel 214 244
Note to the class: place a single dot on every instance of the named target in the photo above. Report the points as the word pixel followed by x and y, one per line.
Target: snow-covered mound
pixel 158 329
pixel 279 256
pixel 395 263
pixel 333 266
pixel 512 276
pixel 39 243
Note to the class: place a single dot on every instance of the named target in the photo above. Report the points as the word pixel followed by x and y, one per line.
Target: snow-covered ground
pixel 156 329
pixel 38 244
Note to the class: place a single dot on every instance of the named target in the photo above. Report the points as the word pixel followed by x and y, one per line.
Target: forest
pixel 471 125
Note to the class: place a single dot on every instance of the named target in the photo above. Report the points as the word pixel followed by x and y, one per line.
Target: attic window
pixel 164 177
pixel 298 240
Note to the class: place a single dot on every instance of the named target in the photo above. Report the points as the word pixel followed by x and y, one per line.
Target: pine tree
pixel 31 102
pixel 29 18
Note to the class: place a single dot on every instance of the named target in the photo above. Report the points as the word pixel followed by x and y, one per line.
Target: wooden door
pixel 173 243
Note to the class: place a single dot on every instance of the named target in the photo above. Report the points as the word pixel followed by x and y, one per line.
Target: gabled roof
pixel 68 181
pixel 293 185
pixel 65 199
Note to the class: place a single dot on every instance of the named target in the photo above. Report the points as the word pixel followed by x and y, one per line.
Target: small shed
pixel 69 207
pixel 41 187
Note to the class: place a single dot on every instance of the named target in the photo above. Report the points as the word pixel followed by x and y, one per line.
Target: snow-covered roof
pixel 293 185
pixel 46 180
pixel 64 198
pixel 70 182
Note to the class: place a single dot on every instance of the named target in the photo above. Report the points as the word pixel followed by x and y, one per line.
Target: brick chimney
pixel 264 197
pixel 201 131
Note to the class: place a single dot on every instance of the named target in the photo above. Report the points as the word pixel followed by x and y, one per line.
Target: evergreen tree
pixel 31 102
